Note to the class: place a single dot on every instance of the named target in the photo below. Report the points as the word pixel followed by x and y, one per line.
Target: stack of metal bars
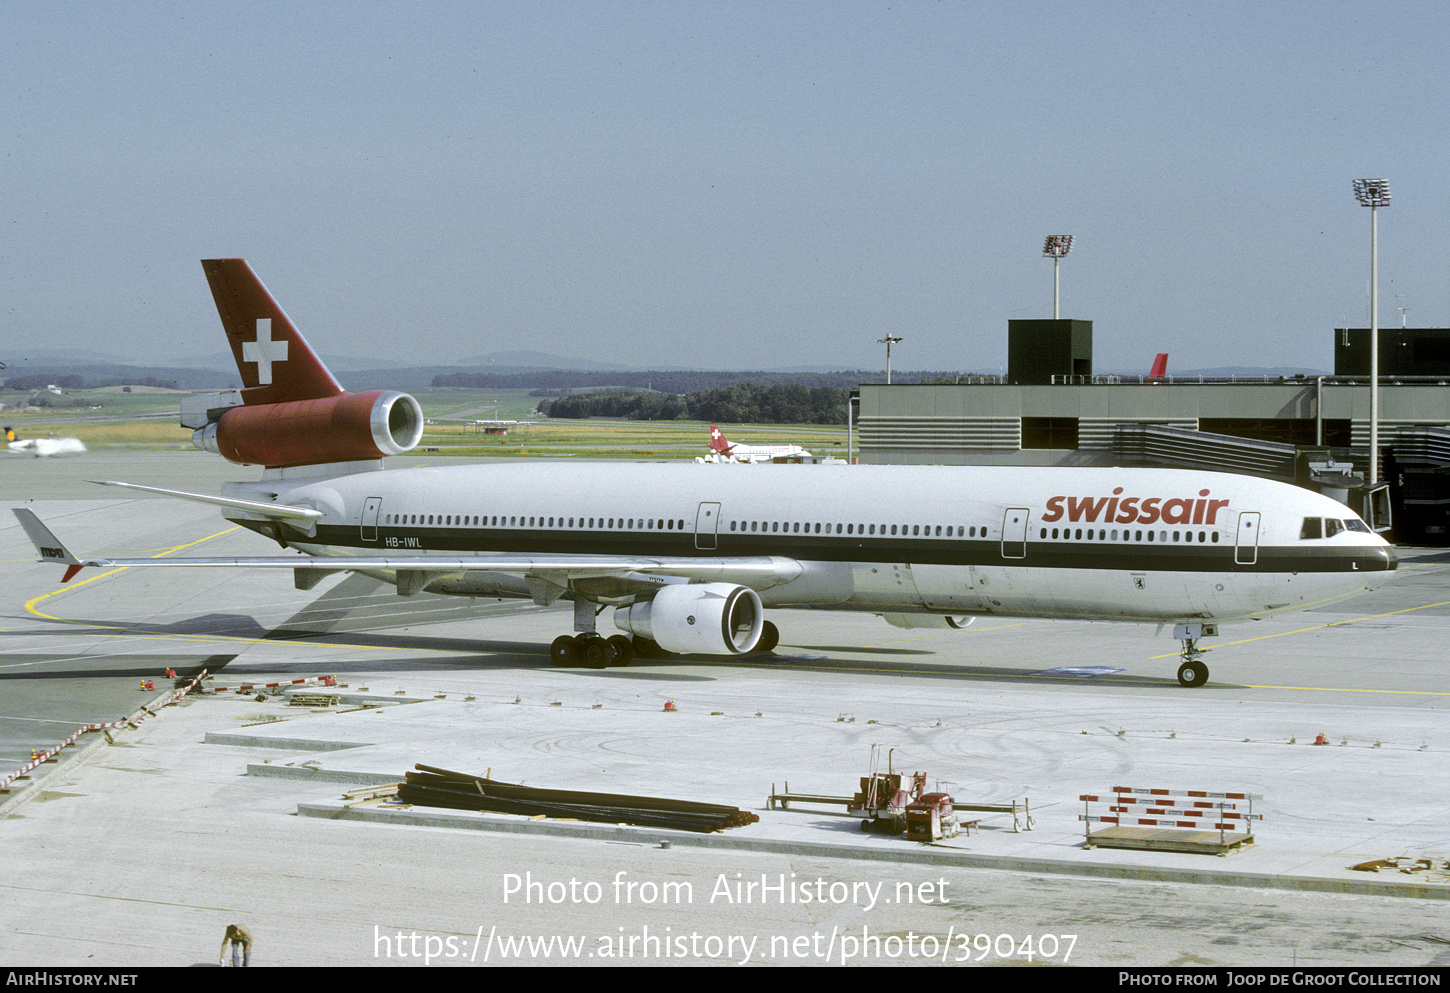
pixel 433 787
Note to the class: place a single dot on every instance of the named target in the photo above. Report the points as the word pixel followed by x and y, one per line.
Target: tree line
pixel 70 381
pixel 790 403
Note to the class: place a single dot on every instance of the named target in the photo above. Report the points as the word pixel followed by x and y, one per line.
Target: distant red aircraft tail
pixel 274 359
pixel 718 442
pixel 1160 366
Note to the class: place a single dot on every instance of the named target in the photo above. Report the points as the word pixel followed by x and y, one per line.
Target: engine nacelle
pixel 937 621
pixel 352 427
pixel 708 619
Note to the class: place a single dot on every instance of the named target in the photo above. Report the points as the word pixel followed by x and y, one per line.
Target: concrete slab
pixel 142 851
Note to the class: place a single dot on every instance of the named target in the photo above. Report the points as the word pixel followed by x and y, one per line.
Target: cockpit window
pixel 1328 527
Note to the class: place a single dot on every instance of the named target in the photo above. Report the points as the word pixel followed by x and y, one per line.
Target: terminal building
pixel 1052 409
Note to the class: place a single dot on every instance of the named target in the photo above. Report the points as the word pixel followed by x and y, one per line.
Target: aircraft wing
pixel 756 571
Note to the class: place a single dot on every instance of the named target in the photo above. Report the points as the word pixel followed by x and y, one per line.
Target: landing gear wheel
pixel 564 651
pixel 597 652
pixel 769 638
pixel 1193 673
pixel 623 650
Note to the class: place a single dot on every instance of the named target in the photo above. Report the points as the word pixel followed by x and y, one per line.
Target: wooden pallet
pixel 1169 840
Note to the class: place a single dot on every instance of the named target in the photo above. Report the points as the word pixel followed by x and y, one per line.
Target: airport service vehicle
pixel 690 558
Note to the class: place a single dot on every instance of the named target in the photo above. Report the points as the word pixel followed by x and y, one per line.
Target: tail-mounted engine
pixel 709 619
pixel 352 427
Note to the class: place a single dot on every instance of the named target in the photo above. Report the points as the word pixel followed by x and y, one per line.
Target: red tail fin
pixel 1160 366
pixel 718 442
pixel 275 361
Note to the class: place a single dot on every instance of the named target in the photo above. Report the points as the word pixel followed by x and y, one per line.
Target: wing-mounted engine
pixel 703 619
pixel 351 427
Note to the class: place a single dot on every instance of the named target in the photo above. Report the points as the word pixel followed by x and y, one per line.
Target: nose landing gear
pixel 1193 671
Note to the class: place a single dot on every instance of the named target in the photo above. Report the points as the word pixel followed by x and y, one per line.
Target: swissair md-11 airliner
pixel 690 558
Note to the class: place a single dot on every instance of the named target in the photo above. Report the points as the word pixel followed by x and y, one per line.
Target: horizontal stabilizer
pixel 277 510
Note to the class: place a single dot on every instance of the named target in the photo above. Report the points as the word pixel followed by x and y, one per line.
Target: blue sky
pixel 723 185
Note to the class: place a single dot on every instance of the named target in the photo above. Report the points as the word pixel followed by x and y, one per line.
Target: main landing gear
pixel 591 650
pixel 588 648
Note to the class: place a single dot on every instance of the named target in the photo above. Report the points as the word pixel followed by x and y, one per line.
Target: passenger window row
pixel 516 521
pixel 908 530
pixel 665 524
pixel 1102 534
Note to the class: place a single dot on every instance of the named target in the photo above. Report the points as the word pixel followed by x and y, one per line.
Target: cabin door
pixel 1014 533
pixel 370 518
pixel 707 526
pixel 1246 548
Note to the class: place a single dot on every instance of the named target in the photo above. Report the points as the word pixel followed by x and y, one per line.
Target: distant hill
pixel 678 381
pixel 100 374
pixel 16 357
pixel 522 360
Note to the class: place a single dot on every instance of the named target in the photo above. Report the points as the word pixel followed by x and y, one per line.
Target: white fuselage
pixel 1161 545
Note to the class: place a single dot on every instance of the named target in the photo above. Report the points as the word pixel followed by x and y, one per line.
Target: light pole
pixel 1056 246
pixel 1374 194
pixel 887 341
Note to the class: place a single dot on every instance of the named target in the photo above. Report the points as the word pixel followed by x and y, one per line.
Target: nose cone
pixel 1378 564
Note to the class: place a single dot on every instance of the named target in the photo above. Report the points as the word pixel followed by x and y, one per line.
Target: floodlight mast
pixel 887 341
pixel 1056 246
pixel 1374 194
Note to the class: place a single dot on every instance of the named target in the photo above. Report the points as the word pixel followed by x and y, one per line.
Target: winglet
pixel 47 544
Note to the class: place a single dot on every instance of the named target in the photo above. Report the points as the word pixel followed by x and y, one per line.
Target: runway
pixel 141 852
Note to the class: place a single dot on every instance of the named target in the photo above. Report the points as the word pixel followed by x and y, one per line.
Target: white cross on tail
pixel 264 351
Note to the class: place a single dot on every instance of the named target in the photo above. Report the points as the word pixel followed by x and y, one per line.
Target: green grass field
pixel 150 419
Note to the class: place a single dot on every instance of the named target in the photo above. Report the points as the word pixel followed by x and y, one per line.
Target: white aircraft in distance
pixel 722 451
pixel 41 447
pixel 690 558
